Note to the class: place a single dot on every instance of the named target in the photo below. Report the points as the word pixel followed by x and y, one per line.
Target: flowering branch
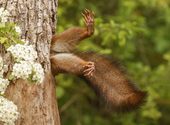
pixel 24 67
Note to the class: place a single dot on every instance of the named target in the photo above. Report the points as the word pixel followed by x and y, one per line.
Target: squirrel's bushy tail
pixel 111 83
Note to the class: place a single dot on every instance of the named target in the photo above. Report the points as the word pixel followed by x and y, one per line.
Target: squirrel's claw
pixel 87 15
pixel 90 69
pixel 89 21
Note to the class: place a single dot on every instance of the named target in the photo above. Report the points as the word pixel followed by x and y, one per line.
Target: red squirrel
pixel 108 80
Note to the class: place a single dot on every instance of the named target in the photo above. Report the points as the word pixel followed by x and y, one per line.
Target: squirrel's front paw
pixel 89 21
pixel 89 69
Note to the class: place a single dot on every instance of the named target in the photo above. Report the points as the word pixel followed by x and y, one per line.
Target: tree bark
pixel 37 104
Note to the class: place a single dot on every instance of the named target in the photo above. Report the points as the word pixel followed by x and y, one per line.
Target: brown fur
pixel 109 81
pixel 112 85
pixel 67 63
pixel 64 42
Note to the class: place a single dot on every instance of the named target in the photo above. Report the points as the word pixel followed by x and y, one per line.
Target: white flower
pixel 3 15
pixel 5 67
pixel 23 52
pixel 25 41
pixel 39 73
pixel 1 73
pixel 4 19
pixel 10 48
pixel 25 67
pixel 8 111
pixel 1 9
pixel 1 63
pixel 6 13
pixel 3 85
pixel 18 30
pixel 22 70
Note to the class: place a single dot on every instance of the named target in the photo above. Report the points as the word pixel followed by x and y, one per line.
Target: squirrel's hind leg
pixel 69 63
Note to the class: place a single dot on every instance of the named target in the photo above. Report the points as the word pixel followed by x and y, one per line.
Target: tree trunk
pixel 37 104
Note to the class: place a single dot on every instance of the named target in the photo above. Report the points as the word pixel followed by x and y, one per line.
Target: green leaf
pixel 2 25
pixel 21 42
pixel 60 92
pixel 15 40
pixel 122 34
pixel 11 24
pixel 30 80
pixel 106 51
pixel 3 95
pixel 6 47
pixel 3 30
pixel 3 39
pixel 122 41
pixel 112 23
pixel 11 77
pixel 14 34
pixel 107 38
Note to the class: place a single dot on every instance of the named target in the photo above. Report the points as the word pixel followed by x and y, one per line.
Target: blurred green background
pixel 137 32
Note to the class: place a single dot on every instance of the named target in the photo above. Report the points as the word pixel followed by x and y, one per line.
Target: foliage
pixel 137 33
pixel 23 54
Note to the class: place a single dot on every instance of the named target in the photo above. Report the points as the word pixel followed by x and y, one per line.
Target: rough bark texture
pixel 37 104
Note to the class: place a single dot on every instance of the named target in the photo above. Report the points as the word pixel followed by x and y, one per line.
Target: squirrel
pixel 107 79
